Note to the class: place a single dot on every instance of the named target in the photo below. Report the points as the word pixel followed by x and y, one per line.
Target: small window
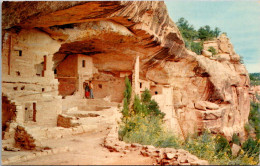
pixel 18 73
pixel 43 89
pixel 55 71
pixel 23 87
pixel 100 86
pixel 156 92
pixel 83 63
pixel 15 88
pixel 20 52
pixel 140 85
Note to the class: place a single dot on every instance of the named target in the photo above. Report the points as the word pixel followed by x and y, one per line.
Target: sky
pixel 239 19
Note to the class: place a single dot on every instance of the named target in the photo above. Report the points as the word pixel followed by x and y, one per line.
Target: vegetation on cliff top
pixel 254 79
pixel 190 35
pixel 143 123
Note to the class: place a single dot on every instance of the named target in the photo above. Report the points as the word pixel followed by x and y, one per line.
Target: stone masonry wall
pixel 23 85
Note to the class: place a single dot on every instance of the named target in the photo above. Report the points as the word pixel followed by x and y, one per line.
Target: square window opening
pixel 83 63
pixel 20 52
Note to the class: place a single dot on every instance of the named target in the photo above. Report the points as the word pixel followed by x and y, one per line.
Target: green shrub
pixel 216 150
pixel 196 47
pixel 248 128
pixel 128 90
pixel 125 110
pixel 190 34
pixel 127 97
pixel 144 124
pixel 254 79
pixel 142 130
pixel 216 32
pixel 252 148
pixel 212 50
pixel 222 145
pixel 200 146
pixel 168 140
pixel 146 96
pixel 235 139
pixel 205 33
pixel 257 96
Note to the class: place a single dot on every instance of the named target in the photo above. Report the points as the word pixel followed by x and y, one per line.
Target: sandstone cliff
pixel 196 92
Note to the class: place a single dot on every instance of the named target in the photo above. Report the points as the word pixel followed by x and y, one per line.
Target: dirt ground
pixel 87 149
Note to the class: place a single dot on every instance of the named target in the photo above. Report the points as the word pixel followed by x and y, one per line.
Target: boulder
pixel 170 155
pixel 206 53
pixel 235 149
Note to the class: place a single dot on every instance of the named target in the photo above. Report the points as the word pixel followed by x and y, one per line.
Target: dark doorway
pixel 34 112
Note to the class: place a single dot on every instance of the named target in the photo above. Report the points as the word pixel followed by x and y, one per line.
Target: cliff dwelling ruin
pixel 49 49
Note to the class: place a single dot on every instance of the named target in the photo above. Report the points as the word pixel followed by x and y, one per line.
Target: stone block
pixel 206 53
pixel 170 155
pixel 235 149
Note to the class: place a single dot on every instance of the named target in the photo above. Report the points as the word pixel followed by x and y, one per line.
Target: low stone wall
pixel 162 156
pixel 66 121
pixel 30 156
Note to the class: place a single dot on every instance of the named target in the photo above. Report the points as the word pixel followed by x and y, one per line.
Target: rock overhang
pixel 105 42
pixel 105 27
